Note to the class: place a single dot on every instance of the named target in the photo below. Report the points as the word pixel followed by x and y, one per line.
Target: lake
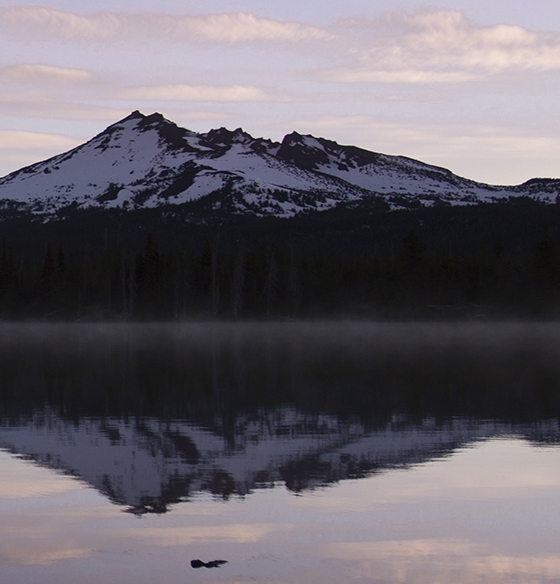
pixel 321 452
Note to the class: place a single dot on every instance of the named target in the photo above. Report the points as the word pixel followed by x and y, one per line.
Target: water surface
pixel 318 452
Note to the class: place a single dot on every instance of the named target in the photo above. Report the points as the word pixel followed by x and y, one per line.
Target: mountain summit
pixel 148 161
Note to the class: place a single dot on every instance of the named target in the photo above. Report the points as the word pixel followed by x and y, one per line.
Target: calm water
pixel 322 453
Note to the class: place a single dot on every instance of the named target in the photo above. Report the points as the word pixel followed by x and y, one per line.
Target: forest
pixel 258 280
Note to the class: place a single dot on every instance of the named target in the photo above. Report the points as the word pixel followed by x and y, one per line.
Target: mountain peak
pixel 154 119
pixel 306 152
pixel 135 115
pixel 224 137
pixel 142 120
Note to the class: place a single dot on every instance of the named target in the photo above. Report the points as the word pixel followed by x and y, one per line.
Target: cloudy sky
pixel 471 85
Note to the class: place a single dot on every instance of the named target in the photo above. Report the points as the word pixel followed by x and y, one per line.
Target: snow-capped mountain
pixel 148 161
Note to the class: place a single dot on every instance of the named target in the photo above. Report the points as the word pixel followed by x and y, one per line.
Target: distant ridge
pixel 149 162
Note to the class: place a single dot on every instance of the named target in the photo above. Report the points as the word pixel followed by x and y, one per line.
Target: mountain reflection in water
pixel 150 415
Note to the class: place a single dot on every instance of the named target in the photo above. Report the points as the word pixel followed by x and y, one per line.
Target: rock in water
pixel 212 564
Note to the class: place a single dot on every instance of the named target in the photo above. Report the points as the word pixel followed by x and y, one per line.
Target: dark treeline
pixel 350 230
pixel 258 280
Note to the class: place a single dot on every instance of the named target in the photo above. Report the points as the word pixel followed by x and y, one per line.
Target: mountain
pixel 149 162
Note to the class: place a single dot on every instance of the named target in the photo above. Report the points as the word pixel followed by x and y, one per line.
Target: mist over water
pixel 493 370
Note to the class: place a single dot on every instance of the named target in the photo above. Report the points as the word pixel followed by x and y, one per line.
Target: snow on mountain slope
pixel 148 161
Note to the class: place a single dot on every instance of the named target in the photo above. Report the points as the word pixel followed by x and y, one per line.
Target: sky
pixel 470 85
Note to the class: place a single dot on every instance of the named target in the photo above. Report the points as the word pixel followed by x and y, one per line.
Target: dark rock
pixel 212 564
